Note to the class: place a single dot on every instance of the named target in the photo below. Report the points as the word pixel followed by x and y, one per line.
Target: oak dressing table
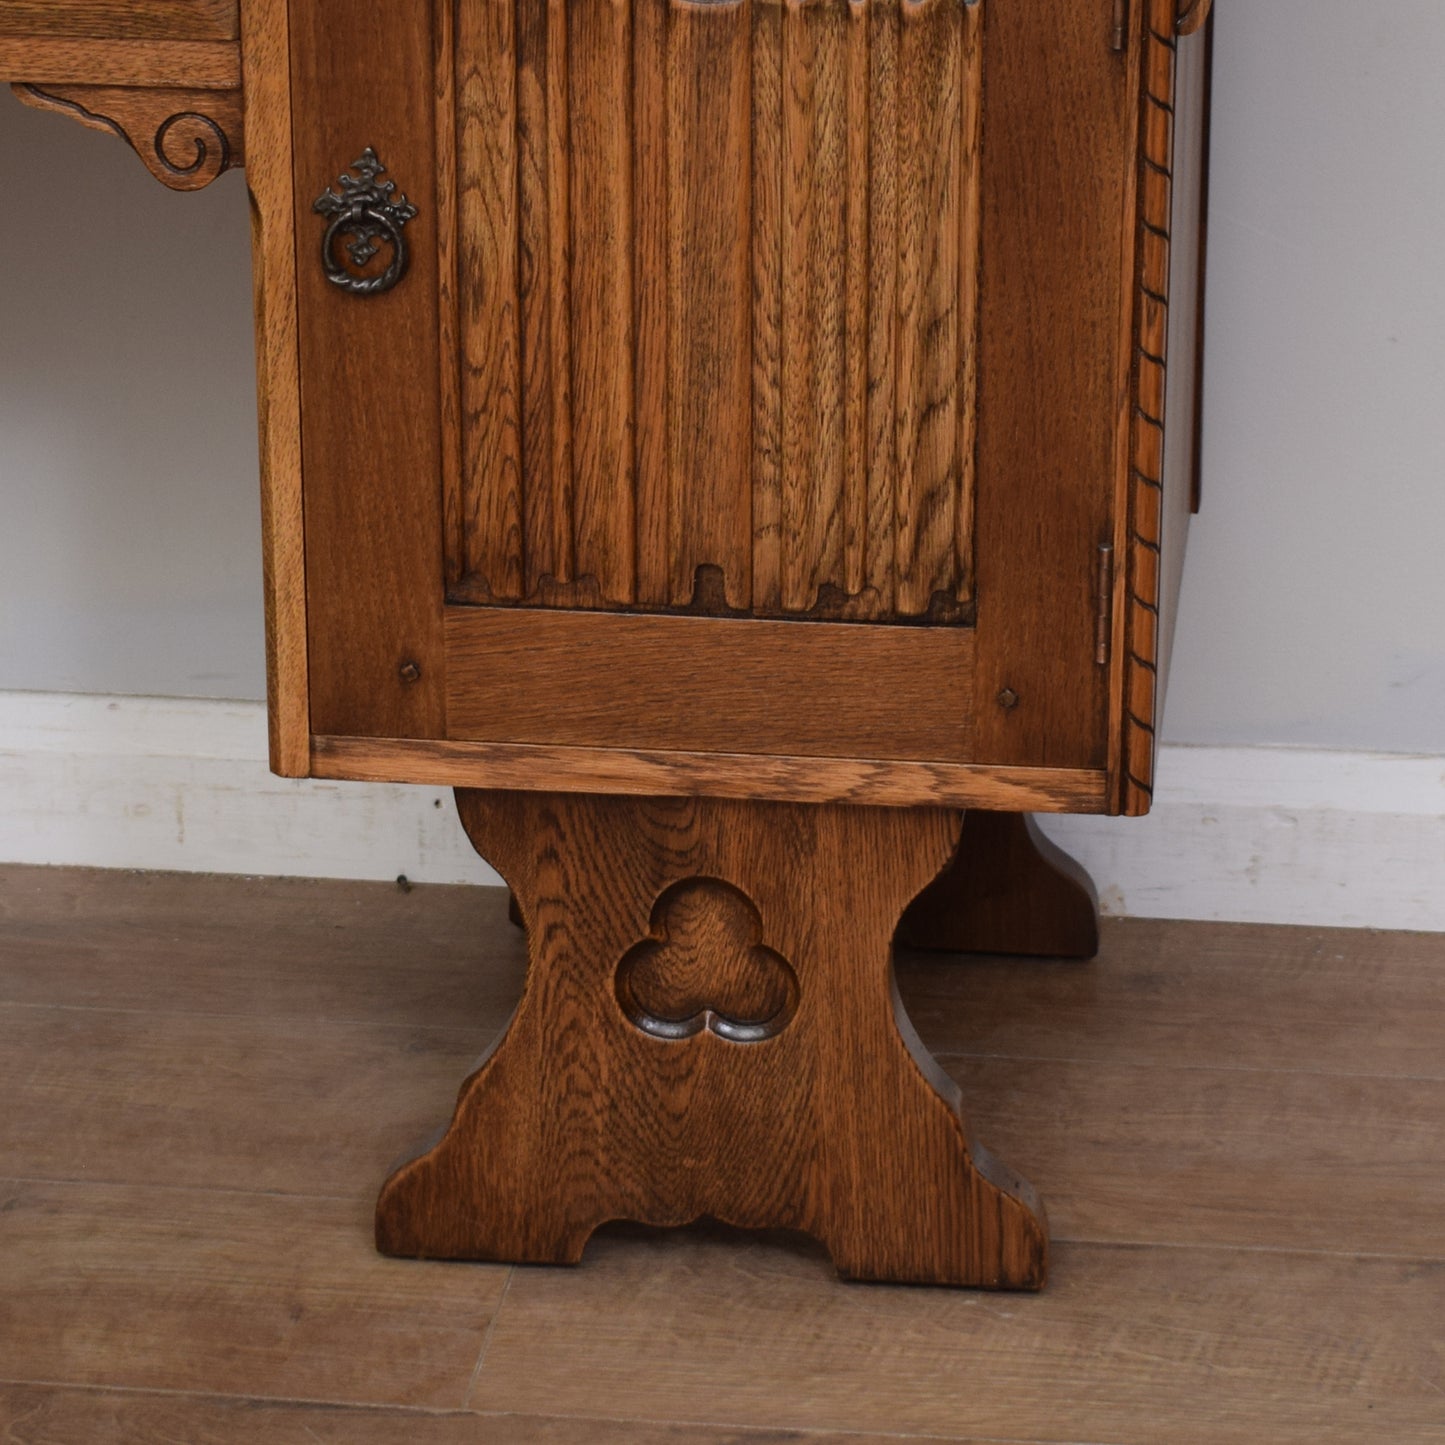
pixel 724 440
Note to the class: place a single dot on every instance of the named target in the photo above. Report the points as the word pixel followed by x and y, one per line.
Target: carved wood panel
pixel 710 273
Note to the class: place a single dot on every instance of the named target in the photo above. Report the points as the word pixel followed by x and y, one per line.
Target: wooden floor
pixel 1239 1131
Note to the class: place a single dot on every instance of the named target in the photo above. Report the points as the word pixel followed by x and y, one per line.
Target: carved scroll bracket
pixel 185 137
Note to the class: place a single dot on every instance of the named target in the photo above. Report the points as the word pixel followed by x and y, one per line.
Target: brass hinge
pixel 1104 603
pixel 1119 30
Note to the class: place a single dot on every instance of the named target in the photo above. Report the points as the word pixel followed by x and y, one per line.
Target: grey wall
pixel 130 530
pixel 1314 595
pixel 1314 608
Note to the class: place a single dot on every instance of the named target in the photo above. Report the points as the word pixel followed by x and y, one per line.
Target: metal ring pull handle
pixel 370 215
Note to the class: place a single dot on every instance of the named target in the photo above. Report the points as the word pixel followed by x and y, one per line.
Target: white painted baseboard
pixel 179 783
pixel 1279 835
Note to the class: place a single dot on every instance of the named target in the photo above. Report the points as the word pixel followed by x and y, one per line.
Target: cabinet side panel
pixel 268 178
pixel 1186 332
pixel 361 77
pixel 1146 462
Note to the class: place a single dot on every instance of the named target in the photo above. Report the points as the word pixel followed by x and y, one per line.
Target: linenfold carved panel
pixel 709 282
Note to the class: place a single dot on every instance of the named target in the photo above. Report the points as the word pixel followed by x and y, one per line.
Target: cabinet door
pixel 756 385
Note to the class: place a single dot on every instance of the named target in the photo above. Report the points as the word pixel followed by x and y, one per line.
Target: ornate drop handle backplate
pixel 368 213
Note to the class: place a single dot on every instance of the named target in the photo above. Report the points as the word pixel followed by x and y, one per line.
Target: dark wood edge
pixel 1196 484
pixel 529 767
pixel 1191 15
pixel 1134 784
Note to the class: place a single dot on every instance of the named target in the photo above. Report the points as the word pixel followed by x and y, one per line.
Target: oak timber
pixel 122 19
pixel 278 390
pixel 716 275
pixel 703 979
pixel 370 412
pixel 893 783
pixel 182 64
pixel 709 685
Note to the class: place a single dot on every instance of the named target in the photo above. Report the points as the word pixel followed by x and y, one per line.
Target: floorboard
pixel 1130 1153
pixel 1212 995
pixel 1128 1343
pixel 236 1293
pixel 294 1105
pixel 1239 1131
pixel 57 1415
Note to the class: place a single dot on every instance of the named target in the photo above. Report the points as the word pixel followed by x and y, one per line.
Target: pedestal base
pixel 1007 890
pixel 710 1027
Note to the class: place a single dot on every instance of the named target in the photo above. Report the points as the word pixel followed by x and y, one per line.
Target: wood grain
pixel 180 64
pixel 1136 1154
pixel 1053 359
pixel 940 61
pixel 1201 995
pixel 701 218
pixel 709 294
pixel 650 290
pixel 812 376
pixel 704 684
pixel 162 1089
pixel 198 943
pixel 122 19
pixel 278 390
pixel 202 1315
pixel 55 1415
pixel 1126 1344
pixel 599 48
pixel 590 1109
pixel 370 436
pixel 485 524
pixel 240 1293
pixel 769 222
pixel 719 775
pixel 450 240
